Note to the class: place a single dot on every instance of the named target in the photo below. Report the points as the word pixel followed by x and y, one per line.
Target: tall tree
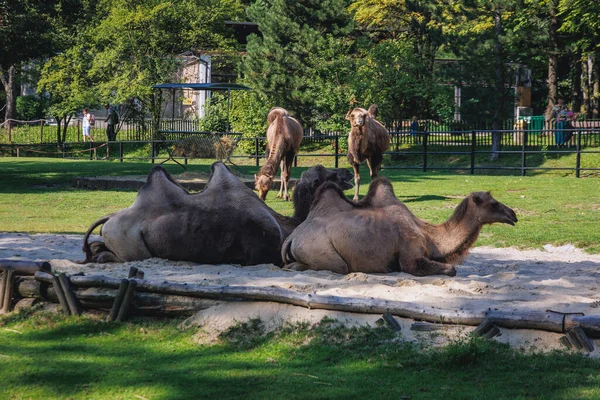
pixel 291 32
pixel 25 33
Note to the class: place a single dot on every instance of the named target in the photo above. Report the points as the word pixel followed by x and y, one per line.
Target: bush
pixel 29 108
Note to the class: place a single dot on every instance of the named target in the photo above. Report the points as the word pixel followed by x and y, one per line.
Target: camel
pixel 380 234
pixel 284 135
pixel 368 139
pixel 225 223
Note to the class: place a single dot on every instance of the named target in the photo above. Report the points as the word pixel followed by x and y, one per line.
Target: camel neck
pixel 452 240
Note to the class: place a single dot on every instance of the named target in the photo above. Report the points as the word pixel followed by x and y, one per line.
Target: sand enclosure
pixel 563 279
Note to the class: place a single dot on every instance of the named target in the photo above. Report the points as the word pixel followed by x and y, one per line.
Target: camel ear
pixel 348 114
pixel 255 176
pixel 478 200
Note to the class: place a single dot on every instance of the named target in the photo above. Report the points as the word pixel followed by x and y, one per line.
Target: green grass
pixel 46 356
pixel 36 196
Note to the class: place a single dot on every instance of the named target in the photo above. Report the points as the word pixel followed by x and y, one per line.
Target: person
pixel 559 113
pixel 414 129
pixel 87 126
pixel 112 119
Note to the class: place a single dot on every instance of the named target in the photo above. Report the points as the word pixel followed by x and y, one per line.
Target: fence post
pixel 90 146
pixel 578 155
pixel 524 154
pixel 62 146
pixel 121 151
pixel 9 124
pixel 256 150
pixel 425 140
pixel 336 149
pixel 41 131
pixel 473 148
pixel 152 148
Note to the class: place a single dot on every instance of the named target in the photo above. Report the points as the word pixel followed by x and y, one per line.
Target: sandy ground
pixel 558 278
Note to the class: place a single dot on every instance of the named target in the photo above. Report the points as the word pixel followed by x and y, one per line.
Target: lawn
pixel 52 356
pixel 36 196
pixel 49 356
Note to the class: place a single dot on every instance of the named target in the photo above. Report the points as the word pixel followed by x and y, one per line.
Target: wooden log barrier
pixel 59 293
pixel 2 286
pixel 72 302
pixel 127 300
pixel 25 267
pixel 548 321
pixel 8 279
pixel 114 311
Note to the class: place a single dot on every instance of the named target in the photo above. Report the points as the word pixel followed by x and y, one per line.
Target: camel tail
pixel 276 112
pixel 373 110
pixel 86 246
pixel 286 252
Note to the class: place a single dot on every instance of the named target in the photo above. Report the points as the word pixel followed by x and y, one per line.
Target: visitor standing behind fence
pixel 112 120
pixel 87 125
pixel 559 113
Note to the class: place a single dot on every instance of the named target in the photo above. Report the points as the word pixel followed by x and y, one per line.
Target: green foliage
pixel 29 108
pixel 215 118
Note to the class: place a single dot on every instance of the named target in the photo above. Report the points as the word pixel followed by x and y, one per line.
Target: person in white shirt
pixel 87 126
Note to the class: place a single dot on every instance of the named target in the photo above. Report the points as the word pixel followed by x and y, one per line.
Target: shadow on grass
pixel 81 358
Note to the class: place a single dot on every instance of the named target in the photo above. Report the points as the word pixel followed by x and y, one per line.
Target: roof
pixel 202 86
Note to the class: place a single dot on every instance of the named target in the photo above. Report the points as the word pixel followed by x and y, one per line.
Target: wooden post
pixel 2 286
pixel 485 326
pixel 473 148
pixel 132 272
pixel 256 151
pixel 578 337
pixel 8 289
pixel 25 267
pixel 41 131
pixel 336 149
pixel 59 293
pixel 9 124
pixel 69 295
pixel 114 311
pixel 124 310
pixel 391 322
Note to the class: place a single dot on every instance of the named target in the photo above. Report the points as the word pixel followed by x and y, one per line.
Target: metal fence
pixel 574 150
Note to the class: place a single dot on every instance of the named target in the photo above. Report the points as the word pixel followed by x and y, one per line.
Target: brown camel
pixel 368 139
pixel 380 234
pixel 225 223
pixel 284 135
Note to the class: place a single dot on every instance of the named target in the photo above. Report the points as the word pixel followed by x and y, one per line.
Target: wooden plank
pixel 391 322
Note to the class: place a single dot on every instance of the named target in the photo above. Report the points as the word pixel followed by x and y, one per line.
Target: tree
pixel 25 33
pixel 280 64
pixel 135 45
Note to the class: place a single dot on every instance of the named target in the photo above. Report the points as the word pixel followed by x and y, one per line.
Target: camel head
pixel 262 184
pixel 488 210
pixel 357 117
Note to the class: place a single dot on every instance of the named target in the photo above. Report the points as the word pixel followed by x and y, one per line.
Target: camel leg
pixel 356 168
pixel 374 164
pixel 424 266
pixel 282 167
pixel 285 174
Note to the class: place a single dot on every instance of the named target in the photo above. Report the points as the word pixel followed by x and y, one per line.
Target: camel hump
pixel 275 113
pixel 222 179
pixel 380 194
pixel 329 198
pixel 160 188
pixel 373 110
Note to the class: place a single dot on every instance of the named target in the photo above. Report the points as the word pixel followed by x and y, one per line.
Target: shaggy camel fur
pixel 226 223
pixel 284 135
pixel 380 234
pixel 368 139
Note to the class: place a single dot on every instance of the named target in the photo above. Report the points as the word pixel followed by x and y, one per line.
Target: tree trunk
pixel 58 123
pixel 499 106
pixel 585 86
pixel 595 83
pixel 8 81
pixel 553 57
pixel 65 127
pixel 576 86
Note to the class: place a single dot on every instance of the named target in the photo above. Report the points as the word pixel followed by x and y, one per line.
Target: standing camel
pixel 380 234
pixel 368 139
pixel 284 135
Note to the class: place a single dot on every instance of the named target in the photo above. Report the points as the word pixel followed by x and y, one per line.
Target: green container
pixel 535 124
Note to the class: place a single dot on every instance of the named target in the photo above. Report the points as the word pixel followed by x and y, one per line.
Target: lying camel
pixel 225 223
pixel 368 139
pixel 380 234
pixel 284 135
